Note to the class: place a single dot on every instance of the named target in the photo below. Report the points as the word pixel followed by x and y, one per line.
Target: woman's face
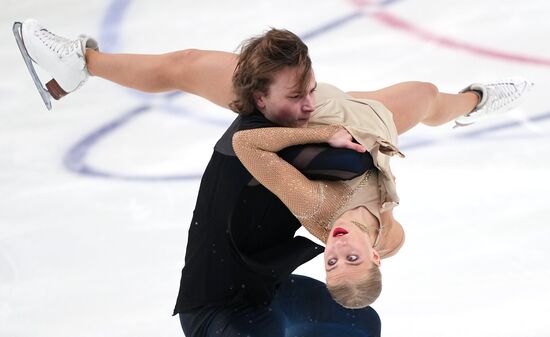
pixel 348 250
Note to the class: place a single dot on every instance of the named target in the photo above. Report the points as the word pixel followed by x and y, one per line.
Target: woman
pixel 354 217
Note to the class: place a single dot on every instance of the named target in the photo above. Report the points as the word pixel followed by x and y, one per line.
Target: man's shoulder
pixel 253 121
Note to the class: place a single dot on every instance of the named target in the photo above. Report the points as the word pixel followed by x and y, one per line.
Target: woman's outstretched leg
pixel 421 102
pixel 200 72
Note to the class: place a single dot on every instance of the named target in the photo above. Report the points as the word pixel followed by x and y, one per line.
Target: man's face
pixel 284 104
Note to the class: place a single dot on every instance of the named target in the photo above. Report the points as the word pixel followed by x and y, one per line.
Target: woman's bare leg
pixel 420 102
pixel 201 72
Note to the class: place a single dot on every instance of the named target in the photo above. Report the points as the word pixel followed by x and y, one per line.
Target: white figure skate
pixel 495 99
pixel 62 58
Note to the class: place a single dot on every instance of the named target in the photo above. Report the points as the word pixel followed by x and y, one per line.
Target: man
pixel 241 244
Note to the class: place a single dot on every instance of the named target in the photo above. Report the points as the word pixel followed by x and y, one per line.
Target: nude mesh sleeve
pixel 256 149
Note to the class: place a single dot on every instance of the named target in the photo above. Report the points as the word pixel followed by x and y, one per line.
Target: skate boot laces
pixel 502 94
pixel 59 45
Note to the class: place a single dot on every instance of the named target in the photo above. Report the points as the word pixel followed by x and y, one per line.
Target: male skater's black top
pixel 241 241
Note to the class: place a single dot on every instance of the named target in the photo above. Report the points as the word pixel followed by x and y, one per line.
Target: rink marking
pixel 401 24
pixel 504 126
pixel 110 25
pixel 331 25
pixel 75 158
pixel 395 22
pixel 75 161
pixel 478 131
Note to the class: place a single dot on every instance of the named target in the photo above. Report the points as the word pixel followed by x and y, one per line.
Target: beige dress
pixel 370 123
pixel 318 204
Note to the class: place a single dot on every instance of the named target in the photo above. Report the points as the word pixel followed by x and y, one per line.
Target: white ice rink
pixel 96 195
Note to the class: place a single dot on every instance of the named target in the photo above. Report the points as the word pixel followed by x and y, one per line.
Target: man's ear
pixel 259 99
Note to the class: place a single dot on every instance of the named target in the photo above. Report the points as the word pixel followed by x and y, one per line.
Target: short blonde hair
pixel 359 294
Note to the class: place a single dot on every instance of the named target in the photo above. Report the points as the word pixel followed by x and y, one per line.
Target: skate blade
pixel 459 125
pixel 46 97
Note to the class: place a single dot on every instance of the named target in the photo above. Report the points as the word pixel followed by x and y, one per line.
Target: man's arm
pixel 323 162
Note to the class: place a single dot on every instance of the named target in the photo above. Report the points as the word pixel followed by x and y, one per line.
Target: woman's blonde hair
pixel 360 294
pixel 260 59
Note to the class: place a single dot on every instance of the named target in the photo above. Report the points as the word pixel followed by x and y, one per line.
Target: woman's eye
pixel 331 262
pixel 352 258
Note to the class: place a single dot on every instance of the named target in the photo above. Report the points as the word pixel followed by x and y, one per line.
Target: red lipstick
pixel 338 231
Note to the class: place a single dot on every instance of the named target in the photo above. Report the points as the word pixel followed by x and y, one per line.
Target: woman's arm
pixel 256 150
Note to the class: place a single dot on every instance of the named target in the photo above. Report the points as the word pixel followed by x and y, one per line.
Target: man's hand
pixel 342 139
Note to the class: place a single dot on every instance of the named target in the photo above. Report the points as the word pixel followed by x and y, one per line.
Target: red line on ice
pixel 401 24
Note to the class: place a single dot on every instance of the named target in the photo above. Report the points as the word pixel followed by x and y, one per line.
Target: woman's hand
pixel 342 139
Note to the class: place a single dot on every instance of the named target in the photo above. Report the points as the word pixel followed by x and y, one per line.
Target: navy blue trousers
pixel 302 307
